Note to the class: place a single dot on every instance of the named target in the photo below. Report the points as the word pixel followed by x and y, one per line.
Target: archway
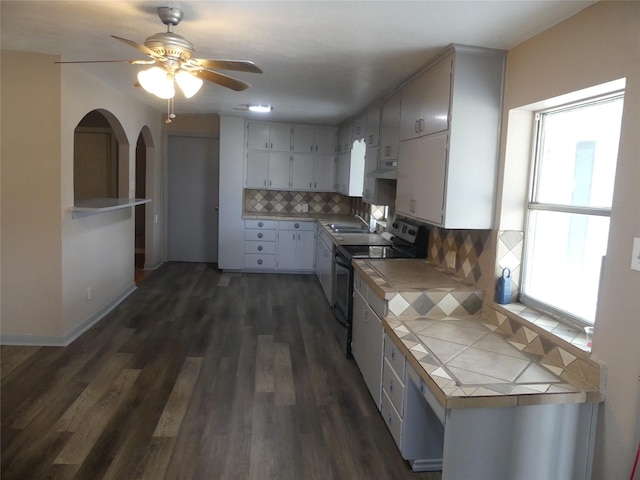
pixel 100 157
pixel 144 218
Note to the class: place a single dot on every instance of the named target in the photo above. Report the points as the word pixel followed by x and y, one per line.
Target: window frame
pixel 560 315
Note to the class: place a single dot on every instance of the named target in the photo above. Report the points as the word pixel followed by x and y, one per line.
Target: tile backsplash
pixel 276 201
pixel 471 249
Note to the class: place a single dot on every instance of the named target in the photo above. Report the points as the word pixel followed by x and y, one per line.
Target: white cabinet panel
pixel 308 139
pixel 372 133
pixel 390 128
pixel 257 169
pixel 270 137
pixel 302 172
pixel 366 345
pixel 296 245
pixel 279 171
pixel 421 178
pixel 425 102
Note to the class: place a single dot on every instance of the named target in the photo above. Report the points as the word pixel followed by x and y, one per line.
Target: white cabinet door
pixel 325 140
pixel 323 173
pixel 305 246
pixel 280 138
pixel 296 245
pixel 366 345
pixel 390 128
pixel 257 169
pixel 372 133
pixel 279 171
pixel 258 136
pixel 265 136
pixel 421 178
pixel 286 249
pixel 344 138
pixel 369 184
pixel 302 172
pixel 304 139
pixel 425 102
pixel 359 127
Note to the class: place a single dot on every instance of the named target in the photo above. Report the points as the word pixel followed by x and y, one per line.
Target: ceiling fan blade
pixel 144 49
pixel 236 65
pixel 221 79
pixel 134 62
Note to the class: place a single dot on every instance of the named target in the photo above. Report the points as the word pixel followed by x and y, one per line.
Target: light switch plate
pixel 635 255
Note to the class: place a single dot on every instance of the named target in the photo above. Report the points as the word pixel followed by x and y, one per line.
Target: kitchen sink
pixel 348 228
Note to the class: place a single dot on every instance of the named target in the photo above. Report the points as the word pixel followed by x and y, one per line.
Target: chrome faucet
pixel 362 220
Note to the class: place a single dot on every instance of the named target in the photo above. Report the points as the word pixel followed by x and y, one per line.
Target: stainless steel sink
pixel 348 228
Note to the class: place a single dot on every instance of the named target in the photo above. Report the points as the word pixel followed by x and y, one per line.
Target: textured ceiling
pixel 323 61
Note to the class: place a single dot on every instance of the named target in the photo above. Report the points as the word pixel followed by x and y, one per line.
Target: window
pixel 576 149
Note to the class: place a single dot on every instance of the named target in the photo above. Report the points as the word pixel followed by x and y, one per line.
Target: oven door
pixel 343 299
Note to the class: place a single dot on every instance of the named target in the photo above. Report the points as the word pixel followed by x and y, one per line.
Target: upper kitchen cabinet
pixel 265 136
pixel 318 140
pixel 448 155
pixel 344 138
pixel 372 129
pixel 268 170
pixel 359 127
pixel 425 102
pixel 390 129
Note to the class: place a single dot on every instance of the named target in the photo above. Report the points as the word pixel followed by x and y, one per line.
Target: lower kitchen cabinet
pixel 260 244
pixel 324 263
pixel 296 245
pixel 366 341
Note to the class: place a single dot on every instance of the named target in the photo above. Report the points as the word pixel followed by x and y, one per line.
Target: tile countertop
pixel 466 360
pixel 324 220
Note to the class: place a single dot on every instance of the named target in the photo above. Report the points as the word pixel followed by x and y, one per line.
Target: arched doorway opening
pixel 144 220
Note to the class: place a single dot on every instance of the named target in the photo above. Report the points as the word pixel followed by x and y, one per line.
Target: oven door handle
pixel 342 263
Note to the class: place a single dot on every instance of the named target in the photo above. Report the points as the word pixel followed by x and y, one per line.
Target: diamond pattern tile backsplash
pixel 471 248
pixel 276 201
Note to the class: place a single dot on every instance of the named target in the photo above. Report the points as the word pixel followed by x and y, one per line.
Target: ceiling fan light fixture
pixel 157 81
pixel 188 83
pixel 260 108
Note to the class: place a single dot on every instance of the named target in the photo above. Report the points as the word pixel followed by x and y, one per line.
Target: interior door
pixel 193 175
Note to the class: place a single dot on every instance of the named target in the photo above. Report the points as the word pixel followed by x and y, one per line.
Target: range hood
pixel 389 171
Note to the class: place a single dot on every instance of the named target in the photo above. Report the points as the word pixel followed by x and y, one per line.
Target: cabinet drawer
pixel 395 357
pixel 360 285
pixel 260 247
pixel 264 235
pixel 263 224
pixel 296 225
pixel 393 386
pixel 391 418
pixel 258 261
pixel 377 304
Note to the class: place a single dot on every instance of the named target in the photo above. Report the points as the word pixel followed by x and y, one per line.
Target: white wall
pixel 98 250
pixel 598 45
pixel 30 151
pixel 49 258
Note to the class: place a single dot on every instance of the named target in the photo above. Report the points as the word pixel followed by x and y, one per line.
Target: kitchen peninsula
pixel 472 394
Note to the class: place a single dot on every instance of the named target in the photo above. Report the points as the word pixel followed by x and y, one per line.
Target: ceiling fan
pixel 171 55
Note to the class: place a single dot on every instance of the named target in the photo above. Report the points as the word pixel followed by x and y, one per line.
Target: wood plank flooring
pixel 198 374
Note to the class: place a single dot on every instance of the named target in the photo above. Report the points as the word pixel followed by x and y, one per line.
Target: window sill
pixel 574 336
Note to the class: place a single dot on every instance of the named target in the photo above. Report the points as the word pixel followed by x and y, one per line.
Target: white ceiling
pixel 323 61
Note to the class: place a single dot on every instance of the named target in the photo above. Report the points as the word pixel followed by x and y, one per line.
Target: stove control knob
pixel 412 232
pixel 395 224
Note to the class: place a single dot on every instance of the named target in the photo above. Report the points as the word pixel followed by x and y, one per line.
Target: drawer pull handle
pixel 259 261
pixel 393 354
pixel 390 386
pixel 260 224
pixel 296 225
pixel 260 235
pixel 259 248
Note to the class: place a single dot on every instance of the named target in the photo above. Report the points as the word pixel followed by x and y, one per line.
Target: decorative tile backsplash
pixel 276 201
pixel 471 252
pixel 509 251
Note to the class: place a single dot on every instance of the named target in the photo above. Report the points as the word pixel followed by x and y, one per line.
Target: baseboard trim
pixel 66 339
pixel 153 266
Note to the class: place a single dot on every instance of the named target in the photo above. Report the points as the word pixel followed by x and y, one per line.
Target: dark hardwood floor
pixel 197 375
